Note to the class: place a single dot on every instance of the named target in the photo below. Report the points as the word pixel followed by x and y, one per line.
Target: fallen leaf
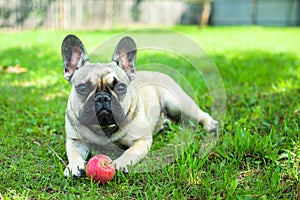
pixel 15 70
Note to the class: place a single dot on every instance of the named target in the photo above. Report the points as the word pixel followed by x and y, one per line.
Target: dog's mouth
pixel 105 117
pixel 107 122
pixel 109 112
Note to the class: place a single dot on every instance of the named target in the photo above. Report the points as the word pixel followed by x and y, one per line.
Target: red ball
pixel 100 169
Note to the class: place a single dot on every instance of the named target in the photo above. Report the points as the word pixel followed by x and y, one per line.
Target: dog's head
pixel 101 92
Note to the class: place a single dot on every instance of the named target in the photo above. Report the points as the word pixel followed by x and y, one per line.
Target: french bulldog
pixel 115 110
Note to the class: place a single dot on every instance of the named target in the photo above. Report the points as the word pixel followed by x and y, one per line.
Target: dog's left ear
pixel 74 55
pixel 125 56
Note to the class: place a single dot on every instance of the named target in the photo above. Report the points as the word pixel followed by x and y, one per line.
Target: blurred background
pixel 98 14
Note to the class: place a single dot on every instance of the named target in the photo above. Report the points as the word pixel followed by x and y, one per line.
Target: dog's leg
pixel 132 155
pixel 76 153
pixel 184 107
pixel 191 110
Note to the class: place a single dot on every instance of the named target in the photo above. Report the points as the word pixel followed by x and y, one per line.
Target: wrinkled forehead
pixel 100 73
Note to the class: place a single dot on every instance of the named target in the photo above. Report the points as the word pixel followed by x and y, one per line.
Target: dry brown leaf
pixel 15 70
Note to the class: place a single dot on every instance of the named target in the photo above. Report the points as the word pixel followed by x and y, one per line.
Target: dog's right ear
pixel 74 55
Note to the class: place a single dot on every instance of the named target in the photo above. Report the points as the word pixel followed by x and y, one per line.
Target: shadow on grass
pixel 263 90
pixel 37 59
pixel 257 69
pixel 32 108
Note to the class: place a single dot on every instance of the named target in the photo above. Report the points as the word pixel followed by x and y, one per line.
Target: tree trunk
pixel 205 12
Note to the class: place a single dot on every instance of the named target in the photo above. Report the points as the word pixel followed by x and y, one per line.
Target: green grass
pixel 256 157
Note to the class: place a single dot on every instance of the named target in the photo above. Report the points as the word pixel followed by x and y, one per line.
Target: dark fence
pixel 97 14
pixel 93 14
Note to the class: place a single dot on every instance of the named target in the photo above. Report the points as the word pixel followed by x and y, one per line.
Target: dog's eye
pixel 120 88
pixel 82 89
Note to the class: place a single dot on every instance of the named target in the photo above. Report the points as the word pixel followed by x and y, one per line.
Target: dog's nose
pixel 102 97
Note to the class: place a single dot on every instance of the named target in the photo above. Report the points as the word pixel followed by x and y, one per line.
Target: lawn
pixel 256 157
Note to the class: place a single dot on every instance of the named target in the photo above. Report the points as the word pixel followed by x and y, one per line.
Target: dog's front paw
pixel 210 125
pixel 75 172
pixel 120 167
